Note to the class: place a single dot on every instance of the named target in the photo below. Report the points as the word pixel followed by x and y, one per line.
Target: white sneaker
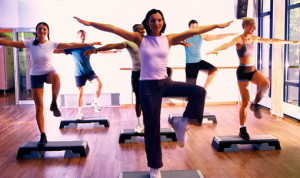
pixel 139 128
pixel 155 173
pixel 95 106
pixel 79 115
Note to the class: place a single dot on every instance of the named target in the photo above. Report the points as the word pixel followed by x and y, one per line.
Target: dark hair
pixel 151 12
pixel 193 21
pixel 134 27
pixel 36 42
pixel 81 31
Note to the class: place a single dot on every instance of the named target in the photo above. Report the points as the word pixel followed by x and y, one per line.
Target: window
pixel 292 64
pixel 265 26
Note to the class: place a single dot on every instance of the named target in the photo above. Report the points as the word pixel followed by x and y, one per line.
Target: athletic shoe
pixel 155 173
pixel 79 115
pixel 244 134
pixel 54 109
pixel 139 128
pixel 179 125
pixel 255 108
pixel 43 140
pixel 95 106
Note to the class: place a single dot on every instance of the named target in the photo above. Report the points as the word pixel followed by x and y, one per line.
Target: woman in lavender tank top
pixel 155 84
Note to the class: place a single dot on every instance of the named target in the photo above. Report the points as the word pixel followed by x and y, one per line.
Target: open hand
pixel 223 25
pixel 212 52
pixel 84 22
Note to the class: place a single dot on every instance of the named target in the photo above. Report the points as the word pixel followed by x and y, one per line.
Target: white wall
pixel 59 15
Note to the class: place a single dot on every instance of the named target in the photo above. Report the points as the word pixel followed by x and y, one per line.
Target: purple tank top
pixel 154 52
pixel 246 50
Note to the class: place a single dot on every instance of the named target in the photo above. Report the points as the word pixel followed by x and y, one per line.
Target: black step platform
pixel 260 142
pixel 207 118
pixel 129 135
pixel 99 121
pixel 72 149
pixel 164 174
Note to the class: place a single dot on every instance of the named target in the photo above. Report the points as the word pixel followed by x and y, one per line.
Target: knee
pixel 39 107
pixel 265 87
pixel 213 71
pixel 199 92
pixel 100 84
pixel 245 103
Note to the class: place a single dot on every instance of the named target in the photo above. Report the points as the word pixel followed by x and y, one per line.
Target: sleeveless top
pixel 154 52
pixel 133 50
pixel 246 50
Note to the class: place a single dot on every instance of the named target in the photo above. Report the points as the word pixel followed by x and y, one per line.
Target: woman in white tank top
pixel 154 83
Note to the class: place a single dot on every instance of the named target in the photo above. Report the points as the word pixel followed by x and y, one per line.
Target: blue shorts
pixel 37 81
pixel 81 80
pixel 192 69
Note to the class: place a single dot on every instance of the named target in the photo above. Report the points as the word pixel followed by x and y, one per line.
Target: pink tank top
pixel 154 52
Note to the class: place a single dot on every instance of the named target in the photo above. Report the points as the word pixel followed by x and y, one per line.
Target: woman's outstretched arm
pixel 131 36
pixel 75 45
pixel 16 44
pixel 175 38
pixel 224 46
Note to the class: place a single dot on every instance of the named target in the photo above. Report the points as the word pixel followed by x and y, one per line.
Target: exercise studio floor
pixel 107 158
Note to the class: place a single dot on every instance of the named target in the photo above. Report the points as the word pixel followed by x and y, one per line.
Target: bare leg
pixel 211 74
pixel 53 78
pixel 37 94
pixel 96 82
pixel 263 85
pixel 79 114
pixel 243 86
pixel 79 97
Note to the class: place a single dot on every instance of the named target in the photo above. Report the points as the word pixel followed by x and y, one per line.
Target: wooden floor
pixel 107 158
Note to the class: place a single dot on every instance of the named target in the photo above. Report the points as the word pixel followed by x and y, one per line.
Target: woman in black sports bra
pixel 246 72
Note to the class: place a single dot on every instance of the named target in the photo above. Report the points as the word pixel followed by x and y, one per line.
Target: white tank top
pixel 154 52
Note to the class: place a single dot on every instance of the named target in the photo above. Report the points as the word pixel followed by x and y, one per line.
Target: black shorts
pixel 192 69
pixel 245 73
pixel 135 77
pixel 37 81
pixel 81 80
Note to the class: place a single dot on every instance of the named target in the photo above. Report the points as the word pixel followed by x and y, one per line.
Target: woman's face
pixel 42 31
pixel 155 23
pixel 250 28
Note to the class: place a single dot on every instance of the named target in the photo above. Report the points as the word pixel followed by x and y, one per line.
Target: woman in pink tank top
pixel 154 83
pixel 247 72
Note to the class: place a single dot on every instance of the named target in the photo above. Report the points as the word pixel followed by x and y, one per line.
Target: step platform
pixel 207 118
pixel 164 174
pixel 131 136
pixel 72 149
pixel 232 143
pixel 73 123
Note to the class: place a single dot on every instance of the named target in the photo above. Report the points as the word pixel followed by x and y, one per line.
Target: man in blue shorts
pixel 84 72
pixel 194 61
